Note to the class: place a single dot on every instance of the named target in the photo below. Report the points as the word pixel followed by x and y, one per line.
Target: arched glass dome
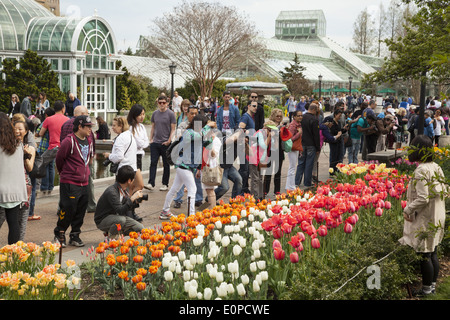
pixel 89 35
pixel 14 18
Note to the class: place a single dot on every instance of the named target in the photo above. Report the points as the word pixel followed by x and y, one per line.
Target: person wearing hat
pixel 384 126
pixel 72 162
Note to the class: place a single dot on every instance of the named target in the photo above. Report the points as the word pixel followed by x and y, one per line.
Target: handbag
pixel 211 176
pixel 114 167
pixel 287 145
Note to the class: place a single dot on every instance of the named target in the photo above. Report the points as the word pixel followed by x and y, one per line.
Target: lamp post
pixel 350 79
pixel 320 86
pixel 172 68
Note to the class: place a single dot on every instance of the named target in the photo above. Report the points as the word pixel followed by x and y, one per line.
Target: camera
pixel 107 162
pixel 144 198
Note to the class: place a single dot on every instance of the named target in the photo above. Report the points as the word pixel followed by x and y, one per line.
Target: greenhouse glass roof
pixel 14 18
pixel 70 34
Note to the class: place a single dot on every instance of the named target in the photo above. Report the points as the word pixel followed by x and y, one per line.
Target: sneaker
pixel 164 188
pixel 148 187
pixel 76 241
pixel 165 215
pixel 420 293
pixel 198 203
pixel 177 205
pixel 62 243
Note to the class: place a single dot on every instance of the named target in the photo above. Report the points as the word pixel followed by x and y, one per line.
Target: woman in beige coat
pixel 425 212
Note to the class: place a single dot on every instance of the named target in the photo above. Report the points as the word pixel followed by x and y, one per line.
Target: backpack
pixel 39 170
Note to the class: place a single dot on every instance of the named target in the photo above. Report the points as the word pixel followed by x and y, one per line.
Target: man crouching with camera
pixel 116 206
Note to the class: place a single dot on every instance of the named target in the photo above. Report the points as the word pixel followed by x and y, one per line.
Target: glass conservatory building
pixel 81 50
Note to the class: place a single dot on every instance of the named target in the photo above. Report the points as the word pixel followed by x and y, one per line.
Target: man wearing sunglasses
pixel 161 133
pixel 259 115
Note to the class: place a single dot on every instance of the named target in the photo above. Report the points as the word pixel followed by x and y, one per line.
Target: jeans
pixel 305 166
pixel 244 171
pixel 198 194
pixel 110 222
pixel 48 180
pixel 232 174
pixel 447 131
pixel 158 150
pixel 353 156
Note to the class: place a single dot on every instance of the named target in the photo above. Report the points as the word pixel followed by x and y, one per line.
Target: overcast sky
pixel 131 18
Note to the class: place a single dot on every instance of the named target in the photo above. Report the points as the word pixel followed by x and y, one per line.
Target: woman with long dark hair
pixel 14 193
pixel 424 213
pixel 136 118
pixel 189 163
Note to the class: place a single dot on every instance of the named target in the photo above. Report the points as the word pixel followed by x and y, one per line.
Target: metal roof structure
pixel 155 69
pixel 14 18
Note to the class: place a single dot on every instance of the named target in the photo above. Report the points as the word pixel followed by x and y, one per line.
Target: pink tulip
pixel 404 203
pixel 294 257
pixel 276 244
pixel 322 231
pixel 299 248
pixel 286 228
pixel 378 212
pixel 315 243
pixel 387 205
pixel 301 236
pixel 348 228
pixel 279 253
pixel 381 204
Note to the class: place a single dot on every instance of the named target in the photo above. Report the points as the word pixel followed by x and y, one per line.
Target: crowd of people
pixel 231 140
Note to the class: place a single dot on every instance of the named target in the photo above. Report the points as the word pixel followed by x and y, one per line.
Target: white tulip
pixel 245 279
pixel 178 269
pixel 261 264
pixel 172 266
pixel 236 228
pixel 212 272
pixel 257 254
pixel 242 242
pixel 243 213
pixel 217 237
pixel 233 219
pixel 193 259
pixel 197 241
pixel 218 224
pixel 237 250
pixel 241 224
pixel 269 213
pixel 233 267
pixel 188 265
pixel 240 289
pixel 228 229
pixel 199 259
pixel 182 255
pixel 251 217
pixel 256 244
pixel 230 288
pixel 256 287
pixel 251 230
pixel 259 279
pixel 219 277
pixel 194 283
pixel 168 276
pixel 264 275
pixel 207 293
pixel 192 292
pixel 225 241
pixel 186 275
pixel 253 267
pixel 187 284
pixel 222 290
pixel 165 262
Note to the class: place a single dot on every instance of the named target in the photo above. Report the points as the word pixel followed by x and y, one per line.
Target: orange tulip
pixel 141 286
pixel 138 259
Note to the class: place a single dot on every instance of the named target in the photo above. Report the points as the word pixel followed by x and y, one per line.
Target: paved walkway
pixel 46 206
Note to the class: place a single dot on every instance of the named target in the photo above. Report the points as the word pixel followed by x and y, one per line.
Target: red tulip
pixel 286 228
pixel 277 233
pixel 295 241
pixel 294 257
pixel 301 236
pixel 279 253
pixel 315 243
pixel 348 228
pixel 378 212
pixel 276 208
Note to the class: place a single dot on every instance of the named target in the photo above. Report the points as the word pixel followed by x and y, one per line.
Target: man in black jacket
pixel 311 145
pixel 115 206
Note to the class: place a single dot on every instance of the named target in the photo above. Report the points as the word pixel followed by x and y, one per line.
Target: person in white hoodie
pixel 136 118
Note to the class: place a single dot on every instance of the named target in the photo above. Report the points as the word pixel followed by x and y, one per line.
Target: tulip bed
pixel 260 250
pixel 301 245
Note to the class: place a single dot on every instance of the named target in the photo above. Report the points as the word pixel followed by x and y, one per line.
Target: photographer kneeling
pixel 116 206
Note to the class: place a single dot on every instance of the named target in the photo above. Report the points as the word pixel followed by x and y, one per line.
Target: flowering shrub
pixel 28 272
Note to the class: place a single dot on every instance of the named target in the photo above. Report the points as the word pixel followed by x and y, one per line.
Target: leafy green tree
pixel 31 74
pixel 423 52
